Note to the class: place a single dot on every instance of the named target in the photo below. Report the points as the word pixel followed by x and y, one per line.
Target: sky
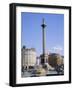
pixel 31 32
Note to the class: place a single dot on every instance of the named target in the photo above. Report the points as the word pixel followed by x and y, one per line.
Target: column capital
pixel 43 24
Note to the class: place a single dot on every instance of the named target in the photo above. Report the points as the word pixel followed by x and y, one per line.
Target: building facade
pixel 55 59
pixel 28 57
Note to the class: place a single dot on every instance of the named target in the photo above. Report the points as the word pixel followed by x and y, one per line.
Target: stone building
pixel 28 57
pixel 55 59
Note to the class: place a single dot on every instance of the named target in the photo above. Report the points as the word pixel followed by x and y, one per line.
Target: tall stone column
pixel 43 40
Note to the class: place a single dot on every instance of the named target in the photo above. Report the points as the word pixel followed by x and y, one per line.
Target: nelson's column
pixel 43 42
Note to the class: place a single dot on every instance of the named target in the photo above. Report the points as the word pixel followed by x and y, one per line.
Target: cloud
pixel 57 48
